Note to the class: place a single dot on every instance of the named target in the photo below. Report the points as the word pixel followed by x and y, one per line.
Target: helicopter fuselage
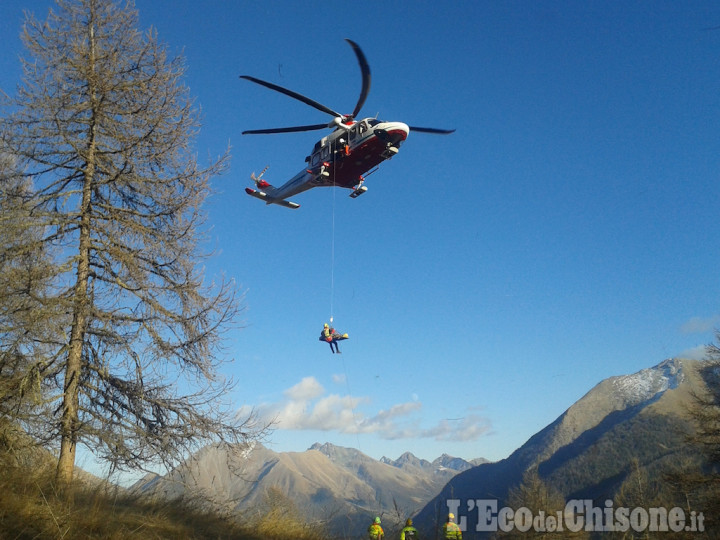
pixel 341 159
pixel 351 151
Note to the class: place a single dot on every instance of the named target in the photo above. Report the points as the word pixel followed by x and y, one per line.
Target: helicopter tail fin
pixel 259 182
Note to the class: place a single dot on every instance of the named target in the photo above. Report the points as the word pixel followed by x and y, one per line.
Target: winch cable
pixel 350 401
pixel 332 252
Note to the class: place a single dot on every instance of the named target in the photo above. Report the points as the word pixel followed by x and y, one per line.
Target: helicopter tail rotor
pixel 259 182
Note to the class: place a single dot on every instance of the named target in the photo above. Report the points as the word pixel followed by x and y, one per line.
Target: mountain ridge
pixel 622 424
pixel 336 485
pixel 637 420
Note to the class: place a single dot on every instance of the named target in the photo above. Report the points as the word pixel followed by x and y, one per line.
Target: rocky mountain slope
pixel 339 486
pixel 623 424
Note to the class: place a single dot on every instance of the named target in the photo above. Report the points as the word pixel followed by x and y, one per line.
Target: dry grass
pixel 31 508
pixel 280 519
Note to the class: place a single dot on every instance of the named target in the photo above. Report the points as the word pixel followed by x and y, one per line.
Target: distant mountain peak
pixel 447 461
pixel 322 447
pixel 617 393
pixel 410 458
pixel 330 450
pixel 347 457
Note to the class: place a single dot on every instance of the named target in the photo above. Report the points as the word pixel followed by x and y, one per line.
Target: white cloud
pixel 700 325
pixel 696 353
pixel 306 406
pixel 308 388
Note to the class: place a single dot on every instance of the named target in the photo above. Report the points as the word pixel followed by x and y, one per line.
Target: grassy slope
pixel 31 508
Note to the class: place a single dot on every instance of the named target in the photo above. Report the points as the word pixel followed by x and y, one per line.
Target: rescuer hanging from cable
pixel 332 337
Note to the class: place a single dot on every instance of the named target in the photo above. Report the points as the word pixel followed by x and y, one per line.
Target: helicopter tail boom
pixel 264 197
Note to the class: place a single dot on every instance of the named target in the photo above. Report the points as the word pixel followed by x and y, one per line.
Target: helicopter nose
pixel 393 133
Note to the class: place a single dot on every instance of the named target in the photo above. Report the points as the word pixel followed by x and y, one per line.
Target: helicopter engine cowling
pixel 342 123
pixel 263 184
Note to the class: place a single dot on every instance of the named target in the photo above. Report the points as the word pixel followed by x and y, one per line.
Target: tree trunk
pixel 69 423
pixel 70 406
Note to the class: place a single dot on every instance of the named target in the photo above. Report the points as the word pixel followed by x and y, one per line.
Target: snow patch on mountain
pixel 646 384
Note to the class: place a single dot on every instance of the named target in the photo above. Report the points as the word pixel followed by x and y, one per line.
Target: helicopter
pixel 344 158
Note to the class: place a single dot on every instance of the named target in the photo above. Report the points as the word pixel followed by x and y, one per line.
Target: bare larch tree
pixel 101 126
pixel 705 413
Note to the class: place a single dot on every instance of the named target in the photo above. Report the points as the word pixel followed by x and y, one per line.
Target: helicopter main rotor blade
pixel 365 70
pixel 293 129
pixel 295 95
pixel 435 131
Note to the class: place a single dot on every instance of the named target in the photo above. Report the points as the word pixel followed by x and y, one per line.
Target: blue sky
pixel 567 232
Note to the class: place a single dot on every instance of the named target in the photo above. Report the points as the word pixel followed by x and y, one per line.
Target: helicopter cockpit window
pixel 352 133
pixel 362 127
pixel 373 122
pixel 316 153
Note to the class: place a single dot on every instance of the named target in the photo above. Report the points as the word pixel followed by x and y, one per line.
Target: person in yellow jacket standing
pixel 375 531
pixel 409 532
pixel 451 531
